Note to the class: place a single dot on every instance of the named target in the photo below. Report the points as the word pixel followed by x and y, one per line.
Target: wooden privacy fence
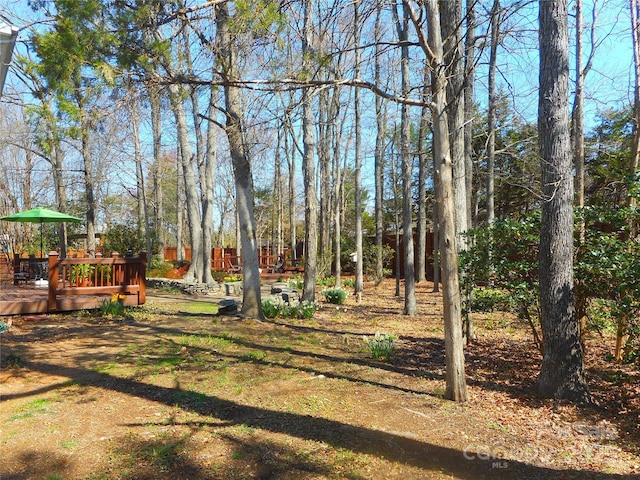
pixel 227 259
pixel 77 283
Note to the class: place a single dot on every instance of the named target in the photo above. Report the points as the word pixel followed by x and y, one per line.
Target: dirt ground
pixel 172 391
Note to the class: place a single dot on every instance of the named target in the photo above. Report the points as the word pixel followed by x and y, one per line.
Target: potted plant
pixel 79 274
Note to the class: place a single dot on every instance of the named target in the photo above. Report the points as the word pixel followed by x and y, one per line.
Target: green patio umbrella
pixel 40 215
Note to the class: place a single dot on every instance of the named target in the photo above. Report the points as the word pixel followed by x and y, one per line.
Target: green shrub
pixel 335 295
pixel 381 346
pixel 169 270
pixel 490 299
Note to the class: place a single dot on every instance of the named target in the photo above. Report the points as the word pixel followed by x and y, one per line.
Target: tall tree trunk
pixel 279 188
pixel 410 304
pixel 423 158
pixel 290 154
pixel 451 24
pixel 635 151
pixel 88 175
pixel 456 386
pixel 309 169
pixel 180 209
pixel 436 242
pixel 158 168
pixel 358 285
pixel 562 371
pixel 491 113
pixel 143 213
pixel 207 179
pixel 379 154
pixel 324 162
pixel 469 79
pixel 57 163
pixel 187 161
pixel 251 299
pixel 577 119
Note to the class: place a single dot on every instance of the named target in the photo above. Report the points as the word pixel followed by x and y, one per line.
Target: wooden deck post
pixel 53 274
pixel 142 276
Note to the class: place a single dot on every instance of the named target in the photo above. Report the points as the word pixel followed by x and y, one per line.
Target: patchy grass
pixel 179 394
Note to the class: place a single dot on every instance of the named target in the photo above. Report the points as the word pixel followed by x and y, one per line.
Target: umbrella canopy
pixel 40 215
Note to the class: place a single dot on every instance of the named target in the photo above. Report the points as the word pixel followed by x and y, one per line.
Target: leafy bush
pixel 169 270
pixel 335 295
pixel 505 256
pixel 120 238
pixel 490 299
pixel 381 346
pixel 606 271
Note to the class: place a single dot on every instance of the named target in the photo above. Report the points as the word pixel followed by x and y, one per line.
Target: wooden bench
pixel 293 269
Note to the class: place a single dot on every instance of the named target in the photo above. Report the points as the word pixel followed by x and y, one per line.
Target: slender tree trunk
pixel 456 386
pixel 423 159
pixel 451 24
pixel 143 214
pixel 58 182
pixel 379 154
pixel 436 243
pixel 191 194
pixel 290 153
pixel 635 150
pixel 491 114
pixel 158 168
pixel 577 117
pixel 308 169
pixel 358 285
pixel 562 371
pixel 251 299
pixel 410 304
pixel 207 181
pixel 88 179
pixel 469 79
pixel 396 220
pixel 324 162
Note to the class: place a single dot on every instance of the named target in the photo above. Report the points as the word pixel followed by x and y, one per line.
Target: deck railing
pixel 97 276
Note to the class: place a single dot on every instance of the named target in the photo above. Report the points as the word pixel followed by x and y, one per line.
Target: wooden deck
pixel 66 291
